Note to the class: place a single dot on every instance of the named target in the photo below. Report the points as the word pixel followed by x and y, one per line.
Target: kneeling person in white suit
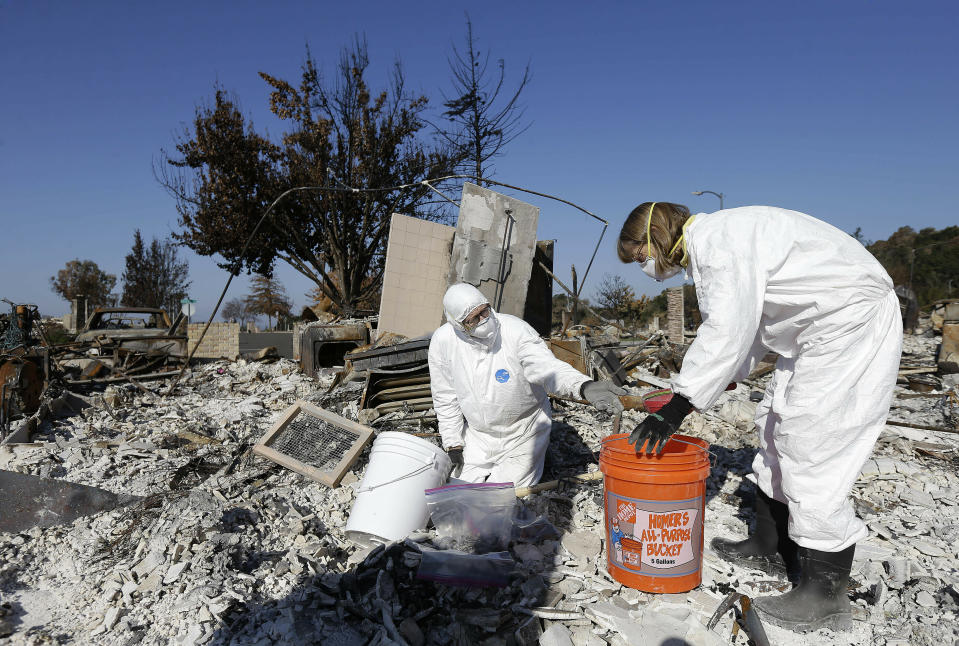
pixel 490 375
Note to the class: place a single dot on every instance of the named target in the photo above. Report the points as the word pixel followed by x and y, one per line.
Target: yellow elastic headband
pixel 649 219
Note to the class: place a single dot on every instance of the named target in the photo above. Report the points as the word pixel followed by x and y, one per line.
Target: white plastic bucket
pixel 390 501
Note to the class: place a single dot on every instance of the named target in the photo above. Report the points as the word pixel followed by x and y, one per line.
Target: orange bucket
pixel 654 507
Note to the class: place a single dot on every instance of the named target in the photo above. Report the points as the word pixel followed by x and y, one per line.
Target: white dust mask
pixel 484 330
pixel 649 268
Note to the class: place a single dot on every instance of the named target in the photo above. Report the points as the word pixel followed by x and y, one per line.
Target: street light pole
pixel 719 195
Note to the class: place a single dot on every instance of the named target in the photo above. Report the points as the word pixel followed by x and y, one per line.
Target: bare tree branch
pixel 479 127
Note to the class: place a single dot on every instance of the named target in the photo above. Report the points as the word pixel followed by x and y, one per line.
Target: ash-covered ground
pixel 227 548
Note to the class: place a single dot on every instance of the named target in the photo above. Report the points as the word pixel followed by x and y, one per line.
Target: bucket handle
pixel 426 467
pixel 712 462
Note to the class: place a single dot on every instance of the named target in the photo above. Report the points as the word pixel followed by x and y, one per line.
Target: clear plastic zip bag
pixel 474 518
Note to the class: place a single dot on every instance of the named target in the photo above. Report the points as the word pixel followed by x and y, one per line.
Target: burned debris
pixel 115 345
pixel 24 365
pixel 226 547
pixel 270 502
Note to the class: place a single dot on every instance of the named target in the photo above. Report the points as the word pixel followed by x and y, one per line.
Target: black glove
pixel 658 427
pixel 456 456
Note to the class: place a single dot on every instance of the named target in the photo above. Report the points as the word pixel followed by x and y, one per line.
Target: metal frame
pixel 329 478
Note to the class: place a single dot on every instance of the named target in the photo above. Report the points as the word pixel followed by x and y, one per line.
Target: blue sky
pixel 843 110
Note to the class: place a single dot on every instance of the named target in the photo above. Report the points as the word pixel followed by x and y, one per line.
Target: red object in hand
pixel 655 400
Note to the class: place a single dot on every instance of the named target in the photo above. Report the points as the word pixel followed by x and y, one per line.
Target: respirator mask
pixel 484 330
pixel 649 265
pixel 649 268
pixel 480 325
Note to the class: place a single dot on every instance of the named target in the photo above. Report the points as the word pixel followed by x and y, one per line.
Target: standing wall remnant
pixel 222 340
pixel 674 314
pixel 494 247
pixel 414 279
pixel 424 258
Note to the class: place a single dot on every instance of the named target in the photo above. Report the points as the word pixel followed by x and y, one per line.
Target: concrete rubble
pixel 227 548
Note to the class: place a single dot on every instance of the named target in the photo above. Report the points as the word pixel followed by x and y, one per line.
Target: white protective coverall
pixel 490 396
pixel 769 278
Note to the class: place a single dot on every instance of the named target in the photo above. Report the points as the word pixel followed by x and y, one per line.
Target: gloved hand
pixel 456 457
pixel 604 395
pixel 658 427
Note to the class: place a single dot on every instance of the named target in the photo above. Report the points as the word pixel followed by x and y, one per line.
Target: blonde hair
pixel 665 228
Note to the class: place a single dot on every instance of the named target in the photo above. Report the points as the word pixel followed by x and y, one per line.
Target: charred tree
pixel 224 175
pixel 482 115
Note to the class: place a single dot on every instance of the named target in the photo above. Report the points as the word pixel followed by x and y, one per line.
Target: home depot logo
pixel 625 512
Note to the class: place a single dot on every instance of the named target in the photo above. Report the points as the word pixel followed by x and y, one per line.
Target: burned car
pixel 128 341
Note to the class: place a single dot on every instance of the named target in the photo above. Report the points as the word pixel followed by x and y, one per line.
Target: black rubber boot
pixel 769 548
pixel 820 600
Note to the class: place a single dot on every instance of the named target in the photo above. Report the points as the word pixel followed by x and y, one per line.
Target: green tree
pixel 135 276
pixel 84 278
pixel 483 117
pixel 928 260
pixel 268 297
pixel 224 175
pixel 154 276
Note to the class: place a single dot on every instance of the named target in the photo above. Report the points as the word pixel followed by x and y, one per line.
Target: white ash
pixel 229 548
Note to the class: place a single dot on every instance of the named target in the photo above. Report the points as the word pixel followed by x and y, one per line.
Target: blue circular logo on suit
pixel 502 376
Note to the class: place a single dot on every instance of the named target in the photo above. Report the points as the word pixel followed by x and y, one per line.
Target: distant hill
pixel 935 268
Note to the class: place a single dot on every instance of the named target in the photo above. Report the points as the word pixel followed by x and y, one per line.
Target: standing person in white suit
pixel 490 375
pixel 772 279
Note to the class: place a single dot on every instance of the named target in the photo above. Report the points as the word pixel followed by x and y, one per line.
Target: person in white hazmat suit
pixel 490 375
pixel 772 279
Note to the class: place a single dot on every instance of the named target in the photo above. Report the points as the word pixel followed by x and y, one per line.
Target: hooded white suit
pixel 768 278
pixel 490 395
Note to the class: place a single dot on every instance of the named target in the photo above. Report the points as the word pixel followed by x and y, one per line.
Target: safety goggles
pixel 476 317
